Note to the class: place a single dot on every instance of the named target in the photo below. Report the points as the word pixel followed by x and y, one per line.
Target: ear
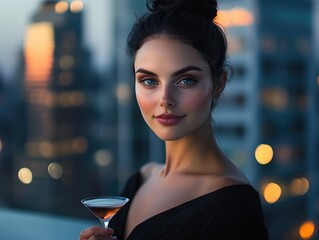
pixel 221 84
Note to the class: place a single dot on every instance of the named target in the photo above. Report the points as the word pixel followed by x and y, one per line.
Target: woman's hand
pixel 97 233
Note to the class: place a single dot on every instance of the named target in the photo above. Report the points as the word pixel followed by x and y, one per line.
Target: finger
pixel 91 231
pixel 108 231
pixel 108 237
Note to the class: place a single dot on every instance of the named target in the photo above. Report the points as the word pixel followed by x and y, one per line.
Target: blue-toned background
pixel 70 127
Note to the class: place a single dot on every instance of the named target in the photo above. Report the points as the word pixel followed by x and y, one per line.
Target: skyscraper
pixel 262 120
pixel 56 169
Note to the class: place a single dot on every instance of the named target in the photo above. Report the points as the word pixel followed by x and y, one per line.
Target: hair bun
pixel 204 8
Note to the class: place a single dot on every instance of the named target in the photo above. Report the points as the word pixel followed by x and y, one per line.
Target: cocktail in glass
pixel 104 208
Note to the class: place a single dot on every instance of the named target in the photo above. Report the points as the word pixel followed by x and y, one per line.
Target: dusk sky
pixel 15 15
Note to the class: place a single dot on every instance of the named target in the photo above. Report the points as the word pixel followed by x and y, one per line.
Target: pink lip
pixel 168 119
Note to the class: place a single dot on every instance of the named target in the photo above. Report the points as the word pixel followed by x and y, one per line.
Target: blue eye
pixel 149 82
pixel 187 82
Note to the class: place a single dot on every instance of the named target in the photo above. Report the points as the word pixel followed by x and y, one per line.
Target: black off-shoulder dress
pixel 232 212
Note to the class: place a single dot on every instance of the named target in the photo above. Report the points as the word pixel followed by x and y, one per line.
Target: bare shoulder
pixel 148 169
pixel 230 176
pixel 235 176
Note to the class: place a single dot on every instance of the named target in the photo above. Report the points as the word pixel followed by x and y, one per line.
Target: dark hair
pixel 190 21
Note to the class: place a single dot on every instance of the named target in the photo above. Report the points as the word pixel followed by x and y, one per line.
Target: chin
pixel 171 136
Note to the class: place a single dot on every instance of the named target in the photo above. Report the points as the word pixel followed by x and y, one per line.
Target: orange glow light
pixel 235 17
pixel 307 229
pixel 61 7
pixel 299 186
pixel 264 154
pixel 272 192
pixel 76 6
pixel 38 50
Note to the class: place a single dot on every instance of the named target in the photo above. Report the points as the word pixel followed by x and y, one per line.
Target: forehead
pixel 168 53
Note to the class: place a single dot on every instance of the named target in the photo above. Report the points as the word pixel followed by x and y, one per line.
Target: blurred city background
pixel 70 127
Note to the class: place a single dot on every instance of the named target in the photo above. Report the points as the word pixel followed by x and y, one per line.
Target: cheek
pixel 199 101
pixel 145 103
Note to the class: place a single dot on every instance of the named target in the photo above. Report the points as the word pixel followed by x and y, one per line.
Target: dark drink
pixel 104 212
pixel 104 207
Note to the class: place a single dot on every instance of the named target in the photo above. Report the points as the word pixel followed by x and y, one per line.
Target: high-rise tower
pixel 262 120
pixel 59 91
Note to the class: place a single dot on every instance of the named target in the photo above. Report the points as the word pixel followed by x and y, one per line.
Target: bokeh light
pixel 55 170
pixel 264 153
pixel 299 186
pixel 80 144
pixel 61 7
pixel 123 93
pixel 76 6
pixel 66 62
pixel 236 16
pixel 307 230
pixel 272 192
pixel 103 158
pixel 46 149
pixel 25 175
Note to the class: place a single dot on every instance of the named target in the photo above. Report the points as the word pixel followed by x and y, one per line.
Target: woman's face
pixel 173 86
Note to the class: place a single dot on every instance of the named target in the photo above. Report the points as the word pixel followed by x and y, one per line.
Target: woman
pixel 178 59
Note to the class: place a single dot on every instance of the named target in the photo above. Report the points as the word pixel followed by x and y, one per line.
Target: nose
pixel 167 99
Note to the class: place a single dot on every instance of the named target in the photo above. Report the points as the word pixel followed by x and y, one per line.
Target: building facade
pixel 264 115
pixel 59 92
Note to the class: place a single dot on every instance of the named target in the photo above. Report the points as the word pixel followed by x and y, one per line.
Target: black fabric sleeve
pixel 132 185
pixel 118 222
pixel 239 217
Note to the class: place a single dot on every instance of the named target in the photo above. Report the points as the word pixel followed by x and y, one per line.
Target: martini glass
pixel 104 208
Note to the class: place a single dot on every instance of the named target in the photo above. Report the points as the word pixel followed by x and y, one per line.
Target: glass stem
pixel 106 223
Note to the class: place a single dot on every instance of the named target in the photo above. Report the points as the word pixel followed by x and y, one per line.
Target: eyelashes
pixel 185 81
pixel 148 81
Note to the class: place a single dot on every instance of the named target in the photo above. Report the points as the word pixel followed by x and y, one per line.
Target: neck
pixel 197 153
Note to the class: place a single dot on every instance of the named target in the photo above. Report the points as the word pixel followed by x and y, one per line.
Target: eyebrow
pixel 178 72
